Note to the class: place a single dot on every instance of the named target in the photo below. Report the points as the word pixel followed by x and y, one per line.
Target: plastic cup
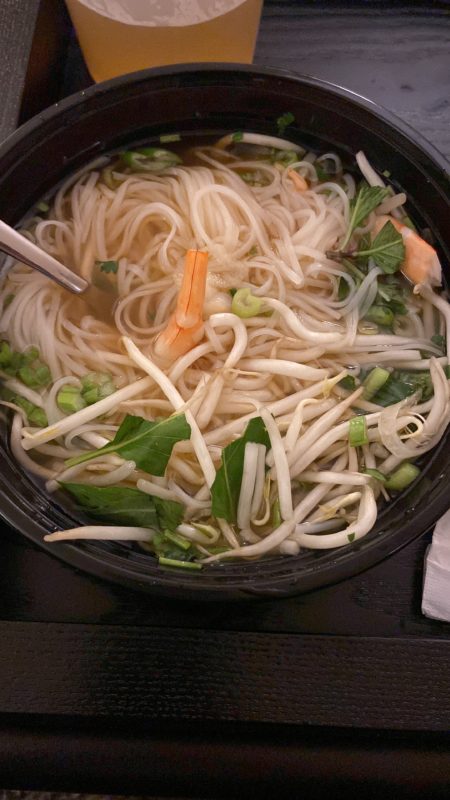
pixel 120 36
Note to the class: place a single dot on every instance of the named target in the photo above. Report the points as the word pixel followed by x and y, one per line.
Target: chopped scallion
pixel 357 432
pixel 69 399
pixel 172 562
pixel 149 159
pixel 245 304
pixel 375 473
pixel 376 378
pixel 169 137
pixel 180 541
pixel 402 477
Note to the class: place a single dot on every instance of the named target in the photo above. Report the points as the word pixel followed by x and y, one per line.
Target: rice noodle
pixel 288 358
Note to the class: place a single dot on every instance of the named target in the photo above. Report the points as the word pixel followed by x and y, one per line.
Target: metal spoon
pixel 18 246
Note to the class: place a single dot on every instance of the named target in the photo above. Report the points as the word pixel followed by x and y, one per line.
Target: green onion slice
pixel 357 432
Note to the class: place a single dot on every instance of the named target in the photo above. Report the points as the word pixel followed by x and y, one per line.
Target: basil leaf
pixel 366 200
pixel 116 504
pixel 123 506
pixel 387 249
pixel 170 514
pixel 283 121
pixel 227 485
pixel 149 444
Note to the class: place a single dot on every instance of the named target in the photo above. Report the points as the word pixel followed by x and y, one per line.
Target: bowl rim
pixel 103 567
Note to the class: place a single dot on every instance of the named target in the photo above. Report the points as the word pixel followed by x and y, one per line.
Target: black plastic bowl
pixel 217 98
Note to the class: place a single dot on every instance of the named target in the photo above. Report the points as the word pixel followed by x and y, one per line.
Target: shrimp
pixel 298 181
pixel 185 328
pixel 421 264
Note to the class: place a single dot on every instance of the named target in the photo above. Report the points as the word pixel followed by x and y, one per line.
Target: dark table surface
pixel 346 686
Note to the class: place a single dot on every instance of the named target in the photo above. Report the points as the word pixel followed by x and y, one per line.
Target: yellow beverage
pixel 119 36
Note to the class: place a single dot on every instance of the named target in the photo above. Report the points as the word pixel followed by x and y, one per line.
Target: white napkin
pixel 436 587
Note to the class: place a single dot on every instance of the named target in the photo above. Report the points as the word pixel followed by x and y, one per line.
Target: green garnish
pixel 35 415
pixel 440 341
pixel 109 179
pixel 96 386
pixel 70 400
pixel 123 506
pixel 284 157
pixel 227 485
pixel 275 518
pixel 149 159
pixel 351 537
pixel 42 207
pixel 391 294
pixel 283 121
pixel 169 137
pixel 402 477
pixel 375 473
pixel 35 377
pixel 387 249
pixel 172 562
pixel 374 381
pixel 348 383
pixel 178 540
pixel 8 300
pixel 357 432
pixel 108 266
pixel 380 315
pixel 237 136
pixel 366 200
pixel 245 304
pixel 26 366
pixel 402 384
pixel 148 444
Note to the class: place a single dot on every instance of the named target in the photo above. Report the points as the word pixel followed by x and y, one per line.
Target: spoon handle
pixel 17 246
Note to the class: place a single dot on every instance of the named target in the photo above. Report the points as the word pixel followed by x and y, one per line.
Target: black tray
pixel 342 687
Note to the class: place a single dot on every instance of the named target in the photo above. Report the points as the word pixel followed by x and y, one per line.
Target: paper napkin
pixel 436 587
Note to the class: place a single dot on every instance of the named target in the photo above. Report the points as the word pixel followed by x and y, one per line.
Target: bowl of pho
pixel 252 398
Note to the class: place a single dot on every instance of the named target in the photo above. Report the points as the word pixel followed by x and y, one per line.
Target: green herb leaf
pixel 402 384
pixel 115 504
pixel 170 514
pixel 380 315
pixel 227 485
pixel 283 121
pixel 237 136
pixel 124 506
pixel 366 200
pixel 351 537
pixel 348 383
pixel 149 444
pixel 392 295
pixel 108 266
pixel 387 249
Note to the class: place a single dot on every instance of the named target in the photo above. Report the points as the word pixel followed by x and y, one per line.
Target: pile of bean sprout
pixel 287 363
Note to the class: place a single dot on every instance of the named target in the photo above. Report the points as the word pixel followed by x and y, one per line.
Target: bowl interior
pixel 193 101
